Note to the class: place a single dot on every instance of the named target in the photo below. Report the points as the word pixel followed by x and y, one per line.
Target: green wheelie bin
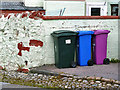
pixel 65 44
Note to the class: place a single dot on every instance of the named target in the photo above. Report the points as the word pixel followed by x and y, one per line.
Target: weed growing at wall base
pixel 113 60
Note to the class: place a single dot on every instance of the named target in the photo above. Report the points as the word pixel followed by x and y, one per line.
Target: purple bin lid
pixel 96 32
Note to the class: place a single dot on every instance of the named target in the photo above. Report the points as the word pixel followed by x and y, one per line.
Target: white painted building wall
pixel 11 0
pixel 72 8
pixel 16 30
pixel 34 3
pixel 101 5
pixel 108 3
pixel 102 0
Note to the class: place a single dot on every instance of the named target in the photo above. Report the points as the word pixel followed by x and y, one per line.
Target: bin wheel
pixel 106 61
pixel 90 62
pixel 73 64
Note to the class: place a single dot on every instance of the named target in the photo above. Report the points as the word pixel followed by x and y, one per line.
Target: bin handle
pixel 93 45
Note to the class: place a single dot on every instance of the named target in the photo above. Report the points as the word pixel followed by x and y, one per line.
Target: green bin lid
pixel 63 33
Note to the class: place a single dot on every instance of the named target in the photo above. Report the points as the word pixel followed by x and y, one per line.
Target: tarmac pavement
pixel 8 86
pixel 107 71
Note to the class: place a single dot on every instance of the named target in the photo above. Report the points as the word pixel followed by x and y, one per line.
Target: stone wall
pixel 21 35
pixel 24 38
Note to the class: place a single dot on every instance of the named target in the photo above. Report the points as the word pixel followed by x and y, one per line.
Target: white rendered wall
pixel 108 3
pixel 73 8
pixel 34 3
pixel 78 25
pixel 101 5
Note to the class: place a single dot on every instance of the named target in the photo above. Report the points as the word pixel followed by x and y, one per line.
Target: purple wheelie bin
pixel 100 47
